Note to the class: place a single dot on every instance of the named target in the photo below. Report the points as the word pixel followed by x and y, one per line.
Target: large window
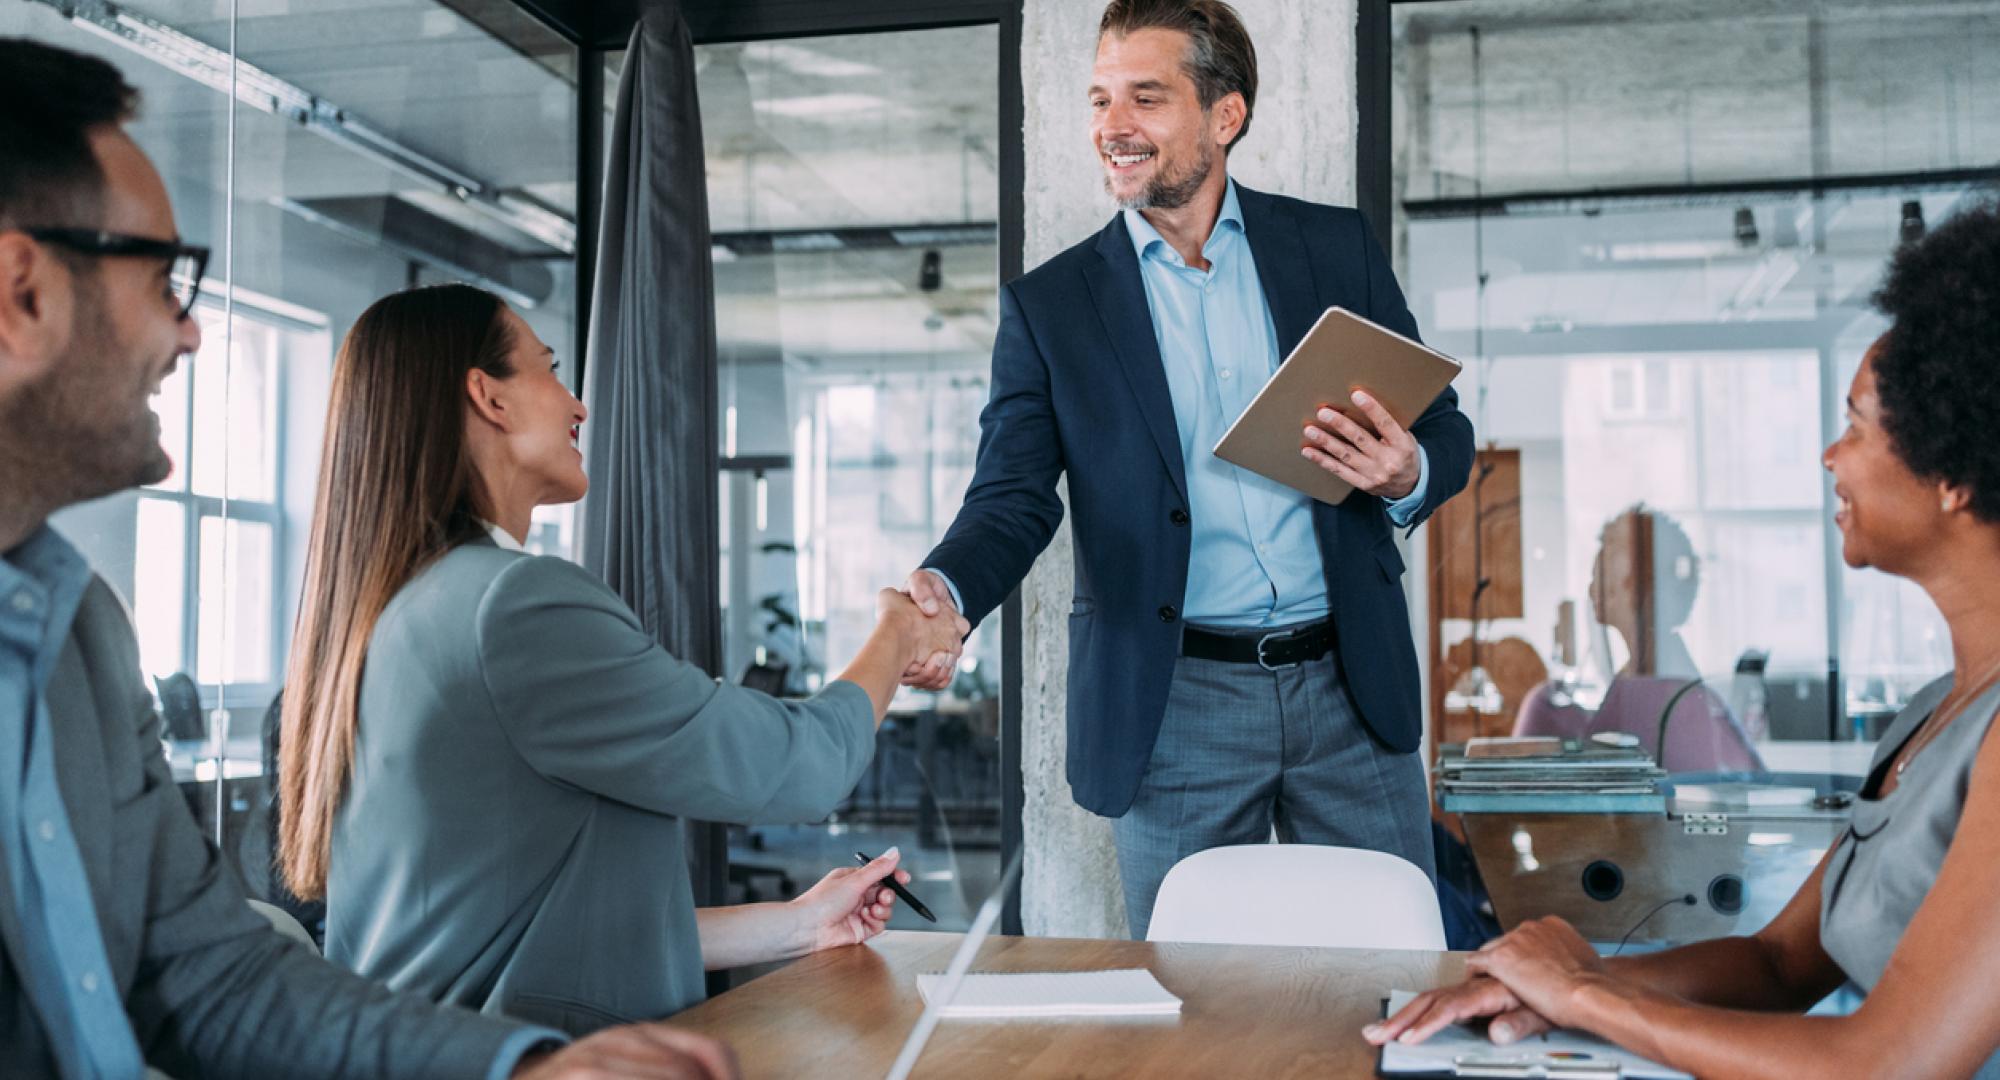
pixel 329 154
pixel 215 529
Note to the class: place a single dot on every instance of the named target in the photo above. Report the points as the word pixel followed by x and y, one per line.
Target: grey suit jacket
pixel 211 989
pixel 511 837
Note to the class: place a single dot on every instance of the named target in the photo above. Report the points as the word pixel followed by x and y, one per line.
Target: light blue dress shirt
pixel 1254 557
pixel 64 966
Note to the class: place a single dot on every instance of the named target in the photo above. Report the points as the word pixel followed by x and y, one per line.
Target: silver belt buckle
pixel 1264 641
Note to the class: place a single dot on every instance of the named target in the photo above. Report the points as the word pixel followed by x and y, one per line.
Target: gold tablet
pixel 1342 353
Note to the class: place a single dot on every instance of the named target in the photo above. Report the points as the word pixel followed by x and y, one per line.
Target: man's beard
pixel 1165 191
pixel 70 435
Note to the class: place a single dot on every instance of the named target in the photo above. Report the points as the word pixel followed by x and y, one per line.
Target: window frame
pixel 287 321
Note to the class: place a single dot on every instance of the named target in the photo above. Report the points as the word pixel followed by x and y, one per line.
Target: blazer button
pixel 1168 614
pixel 1178 517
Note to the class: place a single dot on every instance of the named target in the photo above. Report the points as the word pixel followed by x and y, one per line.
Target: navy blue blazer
pixel 1079 388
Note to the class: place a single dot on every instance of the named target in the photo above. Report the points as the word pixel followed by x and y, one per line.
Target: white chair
pixel 1298 894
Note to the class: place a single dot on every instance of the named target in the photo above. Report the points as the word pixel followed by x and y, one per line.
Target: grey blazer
pixel 211 989
pixel 511 836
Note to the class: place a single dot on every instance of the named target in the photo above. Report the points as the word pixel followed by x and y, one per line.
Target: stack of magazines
pixel 1548 775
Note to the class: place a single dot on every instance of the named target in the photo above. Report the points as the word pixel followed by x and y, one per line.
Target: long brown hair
pixel 396 490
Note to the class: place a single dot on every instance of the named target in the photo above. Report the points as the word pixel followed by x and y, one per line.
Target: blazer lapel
pixel 1120 296
pixel 1284 267
pixel 1284 270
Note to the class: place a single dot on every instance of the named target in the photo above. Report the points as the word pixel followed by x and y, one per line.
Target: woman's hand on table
pixel 1526 981
pixel 849 906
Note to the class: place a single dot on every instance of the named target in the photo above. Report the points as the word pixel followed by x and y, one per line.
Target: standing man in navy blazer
pixel 1240 655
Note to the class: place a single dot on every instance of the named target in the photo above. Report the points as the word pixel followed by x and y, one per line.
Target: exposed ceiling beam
pixel 390 223
pixel 215 68
pixel 858 238
pixel 1658 196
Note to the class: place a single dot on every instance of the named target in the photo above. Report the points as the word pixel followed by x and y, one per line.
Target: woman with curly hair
pixel 1906 905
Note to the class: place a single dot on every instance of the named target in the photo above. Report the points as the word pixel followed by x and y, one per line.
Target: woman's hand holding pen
pixel 849 905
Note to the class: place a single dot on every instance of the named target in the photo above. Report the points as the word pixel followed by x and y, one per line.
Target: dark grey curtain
pixel 649 523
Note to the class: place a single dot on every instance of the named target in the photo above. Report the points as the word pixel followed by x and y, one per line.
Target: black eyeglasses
pixel 186 263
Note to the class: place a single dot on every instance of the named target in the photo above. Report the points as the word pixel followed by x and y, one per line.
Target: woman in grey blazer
pixel 1906 904
pixel 485 759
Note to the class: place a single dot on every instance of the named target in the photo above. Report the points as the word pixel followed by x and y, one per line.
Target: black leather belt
pixel 1268 651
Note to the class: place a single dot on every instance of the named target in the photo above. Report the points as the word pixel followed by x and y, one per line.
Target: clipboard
pixel 1459 1051
pixel 1343 352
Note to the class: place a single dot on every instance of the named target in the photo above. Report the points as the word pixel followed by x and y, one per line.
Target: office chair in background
pixel 180 707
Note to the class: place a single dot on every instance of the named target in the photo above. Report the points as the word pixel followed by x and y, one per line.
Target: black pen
pixel 916 905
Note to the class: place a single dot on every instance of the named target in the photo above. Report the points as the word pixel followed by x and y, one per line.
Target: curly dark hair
pixel 1938 370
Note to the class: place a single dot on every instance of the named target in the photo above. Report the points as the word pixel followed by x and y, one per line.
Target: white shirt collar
pixel 502 537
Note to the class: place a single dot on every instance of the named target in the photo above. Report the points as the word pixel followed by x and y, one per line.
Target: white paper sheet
pixel 1011 995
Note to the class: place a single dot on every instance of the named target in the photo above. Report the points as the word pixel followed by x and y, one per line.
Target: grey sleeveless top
pixel 1885 863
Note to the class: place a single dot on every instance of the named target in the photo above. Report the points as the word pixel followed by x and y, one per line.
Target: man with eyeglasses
pixel 124 941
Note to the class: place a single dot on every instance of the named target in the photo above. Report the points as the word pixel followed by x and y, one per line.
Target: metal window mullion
pixel 280 429
pixel 190 579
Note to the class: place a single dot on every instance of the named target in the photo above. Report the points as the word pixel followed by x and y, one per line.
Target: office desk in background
pixel 1850 758
pixel 1246 1011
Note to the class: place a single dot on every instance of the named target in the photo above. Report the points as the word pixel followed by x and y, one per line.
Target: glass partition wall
pixel 853 192
pixel 1653 233
pixel 329 153
pixel 333 153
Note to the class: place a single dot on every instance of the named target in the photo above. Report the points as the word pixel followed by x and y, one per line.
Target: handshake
pixel 924 618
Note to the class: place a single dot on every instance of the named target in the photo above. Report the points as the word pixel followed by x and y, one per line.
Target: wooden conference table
pixel 1247 1010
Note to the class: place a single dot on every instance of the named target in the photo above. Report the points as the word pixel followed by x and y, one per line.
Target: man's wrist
pixel 533 1057
pixel 946 589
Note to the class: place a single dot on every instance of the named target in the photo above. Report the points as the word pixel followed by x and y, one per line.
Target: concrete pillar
pixel 1301 143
